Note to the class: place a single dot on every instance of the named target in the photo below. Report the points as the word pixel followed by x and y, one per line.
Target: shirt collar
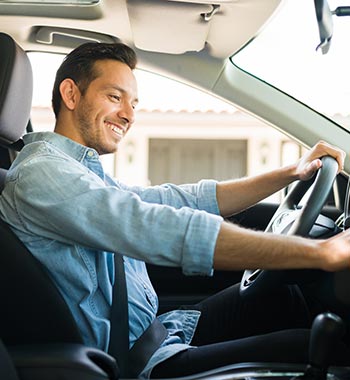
pixel 77 151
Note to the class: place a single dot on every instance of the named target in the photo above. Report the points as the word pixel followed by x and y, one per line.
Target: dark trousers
pixel 269 328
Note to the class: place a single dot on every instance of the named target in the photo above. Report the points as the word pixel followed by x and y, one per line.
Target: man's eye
pixel 115 97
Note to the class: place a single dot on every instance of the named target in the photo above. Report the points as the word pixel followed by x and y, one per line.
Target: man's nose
pixel 127 112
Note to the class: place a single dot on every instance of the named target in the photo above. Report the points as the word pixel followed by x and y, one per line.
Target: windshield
pixel 284 55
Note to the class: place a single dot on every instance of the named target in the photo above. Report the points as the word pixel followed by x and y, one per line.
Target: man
pixel 72 216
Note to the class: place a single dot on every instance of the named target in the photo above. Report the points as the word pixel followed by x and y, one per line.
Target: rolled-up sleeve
pixel 201 233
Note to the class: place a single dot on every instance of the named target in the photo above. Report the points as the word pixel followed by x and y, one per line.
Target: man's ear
pixel 70 93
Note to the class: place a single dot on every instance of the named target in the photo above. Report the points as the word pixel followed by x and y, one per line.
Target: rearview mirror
pixel 325 24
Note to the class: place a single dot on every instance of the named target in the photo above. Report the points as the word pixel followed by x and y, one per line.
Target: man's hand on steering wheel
pixel 291 220
pixel 308 165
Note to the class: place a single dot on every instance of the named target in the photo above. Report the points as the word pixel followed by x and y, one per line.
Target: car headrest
pixel 16 90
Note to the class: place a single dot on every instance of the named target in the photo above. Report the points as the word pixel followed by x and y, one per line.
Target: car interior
pixel 39 339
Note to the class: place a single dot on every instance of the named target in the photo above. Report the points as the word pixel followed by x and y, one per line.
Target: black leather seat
pixel 36 325
pixel 16 88
pixel 2 178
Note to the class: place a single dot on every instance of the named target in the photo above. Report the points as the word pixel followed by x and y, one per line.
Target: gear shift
pixel 326 331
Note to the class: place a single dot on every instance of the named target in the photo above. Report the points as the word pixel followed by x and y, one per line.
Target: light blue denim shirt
pixel 72 216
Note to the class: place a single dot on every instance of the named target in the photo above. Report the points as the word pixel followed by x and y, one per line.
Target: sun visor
pixel 180 26
pixel 165 26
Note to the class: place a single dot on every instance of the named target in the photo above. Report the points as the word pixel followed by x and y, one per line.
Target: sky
pixel 285 55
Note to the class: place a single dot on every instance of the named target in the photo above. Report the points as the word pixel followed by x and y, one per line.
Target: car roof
pixel 159 30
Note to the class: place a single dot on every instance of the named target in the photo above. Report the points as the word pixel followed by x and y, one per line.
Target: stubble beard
pixel 91 133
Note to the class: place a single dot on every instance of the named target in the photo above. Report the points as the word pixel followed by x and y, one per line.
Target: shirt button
pixel 90 153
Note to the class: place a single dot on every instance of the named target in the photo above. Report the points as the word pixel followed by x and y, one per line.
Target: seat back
pixel 32 309
pixel 2 178
pixel 16 89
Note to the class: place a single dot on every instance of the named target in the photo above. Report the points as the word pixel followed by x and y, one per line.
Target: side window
pixel 180 135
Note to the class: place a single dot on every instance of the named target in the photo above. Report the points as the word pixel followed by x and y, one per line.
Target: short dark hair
pixel 79 65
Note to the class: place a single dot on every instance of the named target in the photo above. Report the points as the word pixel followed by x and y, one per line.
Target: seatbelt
pixel 130 362
pixel 145 347
pixel 119 335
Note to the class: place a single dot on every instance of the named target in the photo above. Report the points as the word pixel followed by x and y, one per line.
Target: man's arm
pixel 239 249
pixel 237 195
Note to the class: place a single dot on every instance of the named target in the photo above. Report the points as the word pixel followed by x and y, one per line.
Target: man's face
pixel 106 110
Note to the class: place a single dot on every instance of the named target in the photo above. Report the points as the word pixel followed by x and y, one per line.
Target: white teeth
pixel 115 129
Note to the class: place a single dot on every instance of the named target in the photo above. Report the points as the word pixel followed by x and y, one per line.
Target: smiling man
pixel 73 218
pixel 101 105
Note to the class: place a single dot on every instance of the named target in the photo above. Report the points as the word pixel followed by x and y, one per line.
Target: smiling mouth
pixel 118 130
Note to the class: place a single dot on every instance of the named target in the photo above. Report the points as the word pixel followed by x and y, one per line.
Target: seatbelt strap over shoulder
pixel 130 362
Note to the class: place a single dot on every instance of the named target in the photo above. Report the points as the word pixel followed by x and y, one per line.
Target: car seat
pixel 36 325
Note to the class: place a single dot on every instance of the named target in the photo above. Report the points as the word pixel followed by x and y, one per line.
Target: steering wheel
pixel 291 220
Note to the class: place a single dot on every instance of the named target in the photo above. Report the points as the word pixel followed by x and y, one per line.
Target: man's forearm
pixel 237 195
pixel 238 249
